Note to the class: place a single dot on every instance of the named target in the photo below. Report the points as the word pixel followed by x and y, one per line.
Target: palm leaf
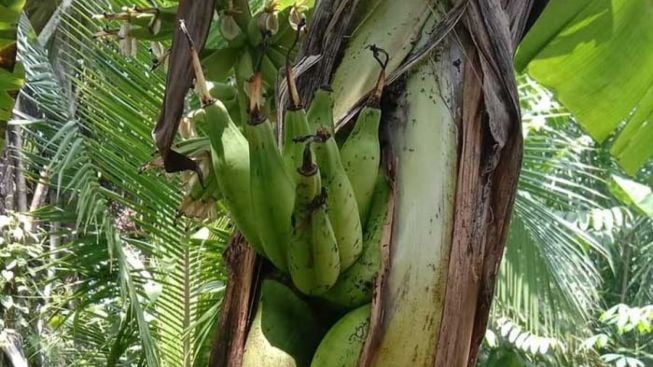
pixel 549 282
pixel 124 221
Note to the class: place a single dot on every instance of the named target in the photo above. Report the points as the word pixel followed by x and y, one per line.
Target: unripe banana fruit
pixel 231 164
pixel 230 156
pixel 295 126
pixel 313 256
pixel 272 188
pixel 343 343
pixel 361 154
pixel 272 192
pixel 355 286
pixel 343 210
pixel 283 332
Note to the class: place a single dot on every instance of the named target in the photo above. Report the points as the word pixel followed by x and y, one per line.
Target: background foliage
pixel 104 273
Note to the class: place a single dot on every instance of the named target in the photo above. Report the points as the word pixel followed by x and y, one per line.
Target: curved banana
pixel 361 152
pixel 343 210
pixel 313 258
pixel 230 156
pixel 355 286
pixel 283 332
pixel 300 257
pixel 272 188
pixel 343 343
pixel 324 248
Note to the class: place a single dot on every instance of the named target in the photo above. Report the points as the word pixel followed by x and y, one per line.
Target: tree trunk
pixel 454 169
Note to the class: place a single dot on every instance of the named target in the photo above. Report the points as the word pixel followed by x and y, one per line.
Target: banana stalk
pixel 392 26
pixel 426 173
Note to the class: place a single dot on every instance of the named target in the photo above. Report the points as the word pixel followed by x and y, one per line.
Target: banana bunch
pixel 303 205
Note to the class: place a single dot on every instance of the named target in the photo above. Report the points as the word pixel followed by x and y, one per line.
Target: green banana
pixel 272 188
pixel 219 63
pixel 223 91
pixel 227 93
pixel 343 210
pixel 343 343
pixel 230 156
pixel 361 152
pixel 231 165
pixel 325 251
pixel 313 258
pixel 295 126
pixel 244 70
pixel 320 113
pixel 356 285
pixel 283 332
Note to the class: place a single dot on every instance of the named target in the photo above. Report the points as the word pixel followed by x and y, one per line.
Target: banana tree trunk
pixel 453 149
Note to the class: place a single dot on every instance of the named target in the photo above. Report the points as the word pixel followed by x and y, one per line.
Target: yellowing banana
pixel 355 286
pixel 343 343
pixel 283 333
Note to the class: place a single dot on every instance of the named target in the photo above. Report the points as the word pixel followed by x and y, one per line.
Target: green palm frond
pixel 126 247
pixel 549 282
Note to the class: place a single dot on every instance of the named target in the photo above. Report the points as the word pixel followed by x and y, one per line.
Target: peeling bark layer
pixel 488 173
pixel 231 332
pixel 198 15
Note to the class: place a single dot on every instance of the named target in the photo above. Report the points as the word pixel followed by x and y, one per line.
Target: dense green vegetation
pixel 101 270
